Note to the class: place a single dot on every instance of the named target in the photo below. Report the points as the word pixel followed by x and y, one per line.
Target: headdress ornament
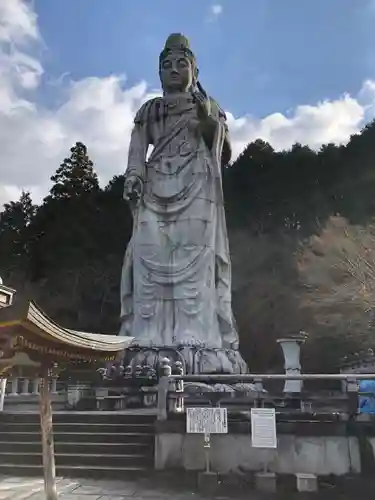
pixel 176 42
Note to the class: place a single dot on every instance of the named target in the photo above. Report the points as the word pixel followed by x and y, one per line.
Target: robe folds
pixel 176 275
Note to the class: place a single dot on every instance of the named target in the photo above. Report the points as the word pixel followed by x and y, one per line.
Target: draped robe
pixel 176 275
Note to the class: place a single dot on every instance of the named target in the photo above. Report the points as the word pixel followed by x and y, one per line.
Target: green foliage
pixel 15 236
pixel 75 176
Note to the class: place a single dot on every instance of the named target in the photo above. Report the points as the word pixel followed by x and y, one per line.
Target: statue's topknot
pixel 177 41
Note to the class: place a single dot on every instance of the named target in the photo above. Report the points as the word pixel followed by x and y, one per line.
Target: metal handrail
pixel 268 376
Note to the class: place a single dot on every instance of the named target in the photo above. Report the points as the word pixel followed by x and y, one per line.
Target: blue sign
pixel 367 403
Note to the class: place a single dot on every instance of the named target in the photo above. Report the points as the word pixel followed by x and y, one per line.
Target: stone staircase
pixel 87 444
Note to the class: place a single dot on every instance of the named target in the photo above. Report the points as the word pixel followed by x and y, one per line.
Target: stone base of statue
pixel 190 360
pixel 195 360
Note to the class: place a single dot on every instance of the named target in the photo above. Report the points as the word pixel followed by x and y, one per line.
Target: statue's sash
pixel 170 178
pixel 167 137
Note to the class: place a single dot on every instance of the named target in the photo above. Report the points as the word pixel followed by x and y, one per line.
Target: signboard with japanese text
pixel 263 428
pixel 206 421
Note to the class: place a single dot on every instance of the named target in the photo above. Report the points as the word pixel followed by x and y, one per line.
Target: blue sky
pixel 285 71
pixel 257 56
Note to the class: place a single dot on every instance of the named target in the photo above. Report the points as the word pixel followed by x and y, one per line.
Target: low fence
pixel 176 392
pixel 173 393
pixel 25 386
pixel 23 393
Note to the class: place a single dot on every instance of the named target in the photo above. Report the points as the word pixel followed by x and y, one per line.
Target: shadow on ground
pixel 239 485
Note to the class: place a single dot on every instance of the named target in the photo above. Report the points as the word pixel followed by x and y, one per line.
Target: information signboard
pixel 206 421
pixel 263 428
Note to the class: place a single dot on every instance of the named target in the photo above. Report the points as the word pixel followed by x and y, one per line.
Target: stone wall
pixel 232 453
pixel 341 448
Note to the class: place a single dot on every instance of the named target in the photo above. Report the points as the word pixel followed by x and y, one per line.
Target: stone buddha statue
pixel 176 276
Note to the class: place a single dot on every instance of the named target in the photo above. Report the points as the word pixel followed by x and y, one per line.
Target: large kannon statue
pixel 176 276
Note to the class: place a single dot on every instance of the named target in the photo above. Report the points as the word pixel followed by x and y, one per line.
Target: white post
pixel 47 437
pixel 14 386
pixel 25 387
pixel 54 385
pixel 3 386
pixel 163 387
pixel 35 385
pixel 179 405
pixel 291 348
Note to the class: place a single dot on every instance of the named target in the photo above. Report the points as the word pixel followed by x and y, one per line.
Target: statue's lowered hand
pixel 133 191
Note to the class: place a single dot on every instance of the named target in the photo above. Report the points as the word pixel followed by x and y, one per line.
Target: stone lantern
pixel 291 347
pixel 6 295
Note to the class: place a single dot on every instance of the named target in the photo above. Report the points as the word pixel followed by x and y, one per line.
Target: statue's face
pixel 176 73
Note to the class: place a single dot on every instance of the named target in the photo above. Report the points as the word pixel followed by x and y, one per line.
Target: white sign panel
pixel 206 421
pixel 263 428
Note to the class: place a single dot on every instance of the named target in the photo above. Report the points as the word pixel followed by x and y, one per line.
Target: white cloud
pixel 99 111
pixel 216 9
pixel 328 121
pixel 18 22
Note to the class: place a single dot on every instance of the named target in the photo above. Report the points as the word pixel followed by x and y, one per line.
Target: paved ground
pixel 12 488
pixel 168 488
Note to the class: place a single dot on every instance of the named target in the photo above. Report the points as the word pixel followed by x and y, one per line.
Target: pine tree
pixel 14 222
pixel 75 176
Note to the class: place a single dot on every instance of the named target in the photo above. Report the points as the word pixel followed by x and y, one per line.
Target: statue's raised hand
pixel 203 105
pixel 133 190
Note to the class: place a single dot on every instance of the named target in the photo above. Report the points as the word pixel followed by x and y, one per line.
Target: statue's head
pixel 177 65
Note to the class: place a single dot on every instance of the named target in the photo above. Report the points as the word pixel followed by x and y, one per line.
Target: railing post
pixel 54 385
pixel 352 390
pixel 3 386
pixel 35 386
pixel 25 387
pixel 179 388
pixel 14 386
pixel 258 382
pixel 163 387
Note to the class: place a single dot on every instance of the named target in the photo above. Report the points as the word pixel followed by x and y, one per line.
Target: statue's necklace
pixel 178 104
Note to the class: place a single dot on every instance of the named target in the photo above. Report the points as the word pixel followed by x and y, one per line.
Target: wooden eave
pixel 27 328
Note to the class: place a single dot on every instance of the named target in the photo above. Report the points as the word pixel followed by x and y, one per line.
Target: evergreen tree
pixel 14 236
pixel 75 176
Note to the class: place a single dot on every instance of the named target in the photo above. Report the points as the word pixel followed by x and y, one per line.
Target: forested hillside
pixel 301 234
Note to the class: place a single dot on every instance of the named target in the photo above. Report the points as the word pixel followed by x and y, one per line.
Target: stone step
pixel 102 471
pixel 86 460
pixel 79 437
pixel 93 428
pixel 80 448
pixel 86 445
pixel 80 417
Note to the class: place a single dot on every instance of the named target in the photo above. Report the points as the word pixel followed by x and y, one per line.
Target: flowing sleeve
pixel 219 119
pixel 227 148
pixel 139 142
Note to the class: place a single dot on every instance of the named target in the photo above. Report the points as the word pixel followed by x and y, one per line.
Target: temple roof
pixel 6 295
pixel 26 317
